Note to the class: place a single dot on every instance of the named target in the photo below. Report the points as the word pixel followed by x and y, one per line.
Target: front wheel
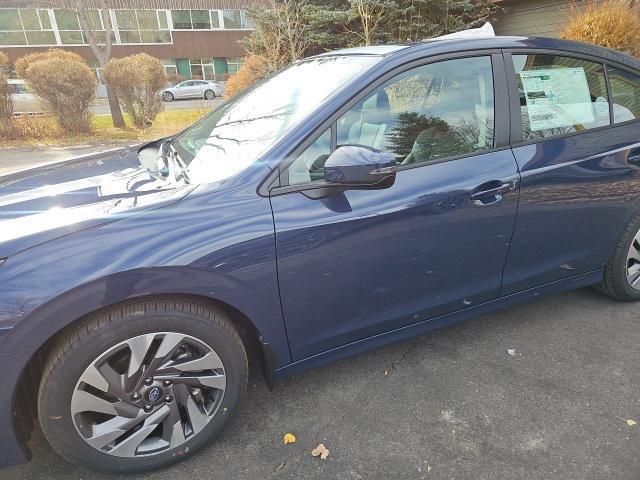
pixel 622 273
pixel 140 386
pixel 167 96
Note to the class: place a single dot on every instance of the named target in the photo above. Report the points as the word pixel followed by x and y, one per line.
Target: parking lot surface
pixel 538 391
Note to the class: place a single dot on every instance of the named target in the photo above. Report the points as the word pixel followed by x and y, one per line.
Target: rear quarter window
pixel 625 95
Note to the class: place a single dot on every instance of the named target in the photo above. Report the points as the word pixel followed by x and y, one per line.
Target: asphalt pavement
pixel 538 391
pixel 101 106
pixel 545 390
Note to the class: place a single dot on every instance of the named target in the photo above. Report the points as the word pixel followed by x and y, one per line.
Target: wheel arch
pixel 79 307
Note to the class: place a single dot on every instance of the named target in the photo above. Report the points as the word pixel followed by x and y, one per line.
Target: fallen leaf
pixel 289 438
pixel 279 467
pixel 320 451
pixel 631 422
pixel 511 351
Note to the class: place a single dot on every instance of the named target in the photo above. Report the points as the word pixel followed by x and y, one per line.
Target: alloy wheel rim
pixel 148 394
pixel 633 263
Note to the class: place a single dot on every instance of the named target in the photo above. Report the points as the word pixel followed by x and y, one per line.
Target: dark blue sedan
pixel 354 199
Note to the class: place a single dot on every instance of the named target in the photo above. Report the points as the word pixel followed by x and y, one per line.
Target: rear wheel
pixel 622 273
pixel 209 95
pixel 140 386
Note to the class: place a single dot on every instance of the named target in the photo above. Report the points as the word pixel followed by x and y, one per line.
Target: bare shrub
pixel 253 69
pixel 137 81
pixel 611 24
pixel 64 82
pixel 6 107
pixel 36 128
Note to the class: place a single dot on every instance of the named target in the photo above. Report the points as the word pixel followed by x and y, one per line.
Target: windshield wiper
pixel 171 164
pixel 176 164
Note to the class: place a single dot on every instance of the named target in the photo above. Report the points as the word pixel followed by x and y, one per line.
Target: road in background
pixel 101 107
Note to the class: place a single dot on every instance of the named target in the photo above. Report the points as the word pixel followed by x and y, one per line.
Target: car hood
pixel 44 203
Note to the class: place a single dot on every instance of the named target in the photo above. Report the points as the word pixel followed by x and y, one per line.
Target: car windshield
pixel 231 138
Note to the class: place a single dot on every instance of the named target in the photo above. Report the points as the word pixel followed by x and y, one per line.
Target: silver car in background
pixel 193 89
pixel 23 100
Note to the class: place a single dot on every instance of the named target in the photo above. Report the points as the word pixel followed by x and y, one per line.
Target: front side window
pixel 429 113
pixel 560 95
pixel 625 95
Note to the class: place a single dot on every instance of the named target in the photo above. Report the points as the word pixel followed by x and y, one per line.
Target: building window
pixel 97 19
pixel 246 22
pixel 170 67
pixel 195 19
pixel 202 69
pixel 25 26
pixel 181 19
pixel 143 26
pixel 215 19
pixel 69 27
pixel 232 19
pixel 234 64
pixel 201 19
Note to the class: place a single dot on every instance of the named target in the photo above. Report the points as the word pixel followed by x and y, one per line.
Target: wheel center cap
pixel 153 394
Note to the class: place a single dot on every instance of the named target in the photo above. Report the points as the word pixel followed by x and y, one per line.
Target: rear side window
pixel 625 95
pixel 560 95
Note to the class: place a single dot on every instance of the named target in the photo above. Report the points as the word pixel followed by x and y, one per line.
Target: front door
pixel 361 262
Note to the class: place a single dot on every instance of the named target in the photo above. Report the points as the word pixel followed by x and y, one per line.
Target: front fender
pixel 48 319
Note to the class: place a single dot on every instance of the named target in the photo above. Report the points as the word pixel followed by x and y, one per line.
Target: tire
pixel 209 94
pixel 621 265
pixel 167 96
pixel 195 329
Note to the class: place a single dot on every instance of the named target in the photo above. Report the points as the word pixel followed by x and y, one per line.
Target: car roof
pixel 438 46
pixel 16 81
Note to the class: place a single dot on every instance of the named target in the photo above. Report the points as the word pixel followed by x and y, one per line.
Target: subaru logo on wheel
pixel 154 394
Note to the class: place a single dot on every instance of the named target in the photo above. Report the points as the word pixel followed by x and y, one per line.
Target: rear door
pixel 357 263
pixel 578 157
pixel 199 88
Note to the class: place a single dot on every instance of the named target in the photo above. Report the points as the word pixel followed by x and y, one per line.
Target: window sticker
pixel 557 97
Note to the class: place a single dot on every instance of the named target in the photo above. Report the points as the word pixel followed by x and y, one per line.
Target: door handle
pixel 491 192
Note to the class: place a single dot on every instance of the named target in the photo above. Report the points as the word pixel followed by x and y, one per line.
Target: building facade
pixel 542 18
pixel 193 38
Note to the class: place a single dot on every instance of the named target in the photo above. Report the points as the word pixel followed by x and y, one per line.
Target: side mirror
pixel 358 166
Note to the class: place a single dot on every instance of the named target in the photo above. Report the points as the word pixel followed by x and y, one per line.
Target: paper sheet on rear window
pixel 557 97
